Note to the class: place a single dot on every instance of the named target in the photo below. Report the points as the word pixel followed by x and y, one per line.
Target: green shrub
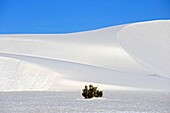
pixel 90 92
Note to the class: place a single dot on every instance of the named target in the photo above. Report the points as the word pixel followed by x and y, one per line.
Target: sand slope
pixel 148 43
pixel 110 57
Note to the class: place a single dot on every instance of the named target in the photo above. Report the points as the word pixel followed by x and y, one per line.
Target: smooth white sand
pixel 69 61
pixel 149 44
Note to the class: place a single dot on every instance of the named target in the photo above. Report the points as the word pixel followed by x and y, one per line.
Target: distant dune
pixel 126 57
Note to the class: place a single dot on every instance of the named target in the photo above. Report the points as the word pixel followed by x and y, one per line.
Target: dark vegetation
pixel 90 92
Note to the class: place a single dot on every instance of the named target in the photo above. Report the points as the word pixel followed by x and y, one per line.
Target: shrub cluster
pixel 90 92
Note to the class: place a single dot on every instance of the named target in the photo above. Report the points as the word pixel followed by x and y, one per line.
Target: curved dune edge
pixel 148 43
pixel 25 76
pixel 70 61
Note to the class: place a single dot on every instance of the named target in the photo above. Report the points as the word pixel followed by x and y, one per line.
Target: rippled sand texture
pixel 72 102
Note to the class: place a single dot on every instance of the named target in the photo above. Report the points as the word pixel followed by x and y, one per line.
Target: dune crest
pixel 125 57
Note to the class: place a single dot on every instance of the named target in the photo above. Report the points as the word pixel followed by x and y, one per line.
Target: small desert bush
pixel 90 92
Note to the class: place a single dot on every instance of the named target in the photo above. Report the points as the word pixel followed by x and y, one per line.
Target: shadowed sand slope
pixel 148 43
pixel 69 61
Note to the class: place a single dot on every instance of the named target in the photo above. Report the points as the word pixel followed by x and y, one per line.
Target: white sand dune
pixel 69 61
pixel 148 43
